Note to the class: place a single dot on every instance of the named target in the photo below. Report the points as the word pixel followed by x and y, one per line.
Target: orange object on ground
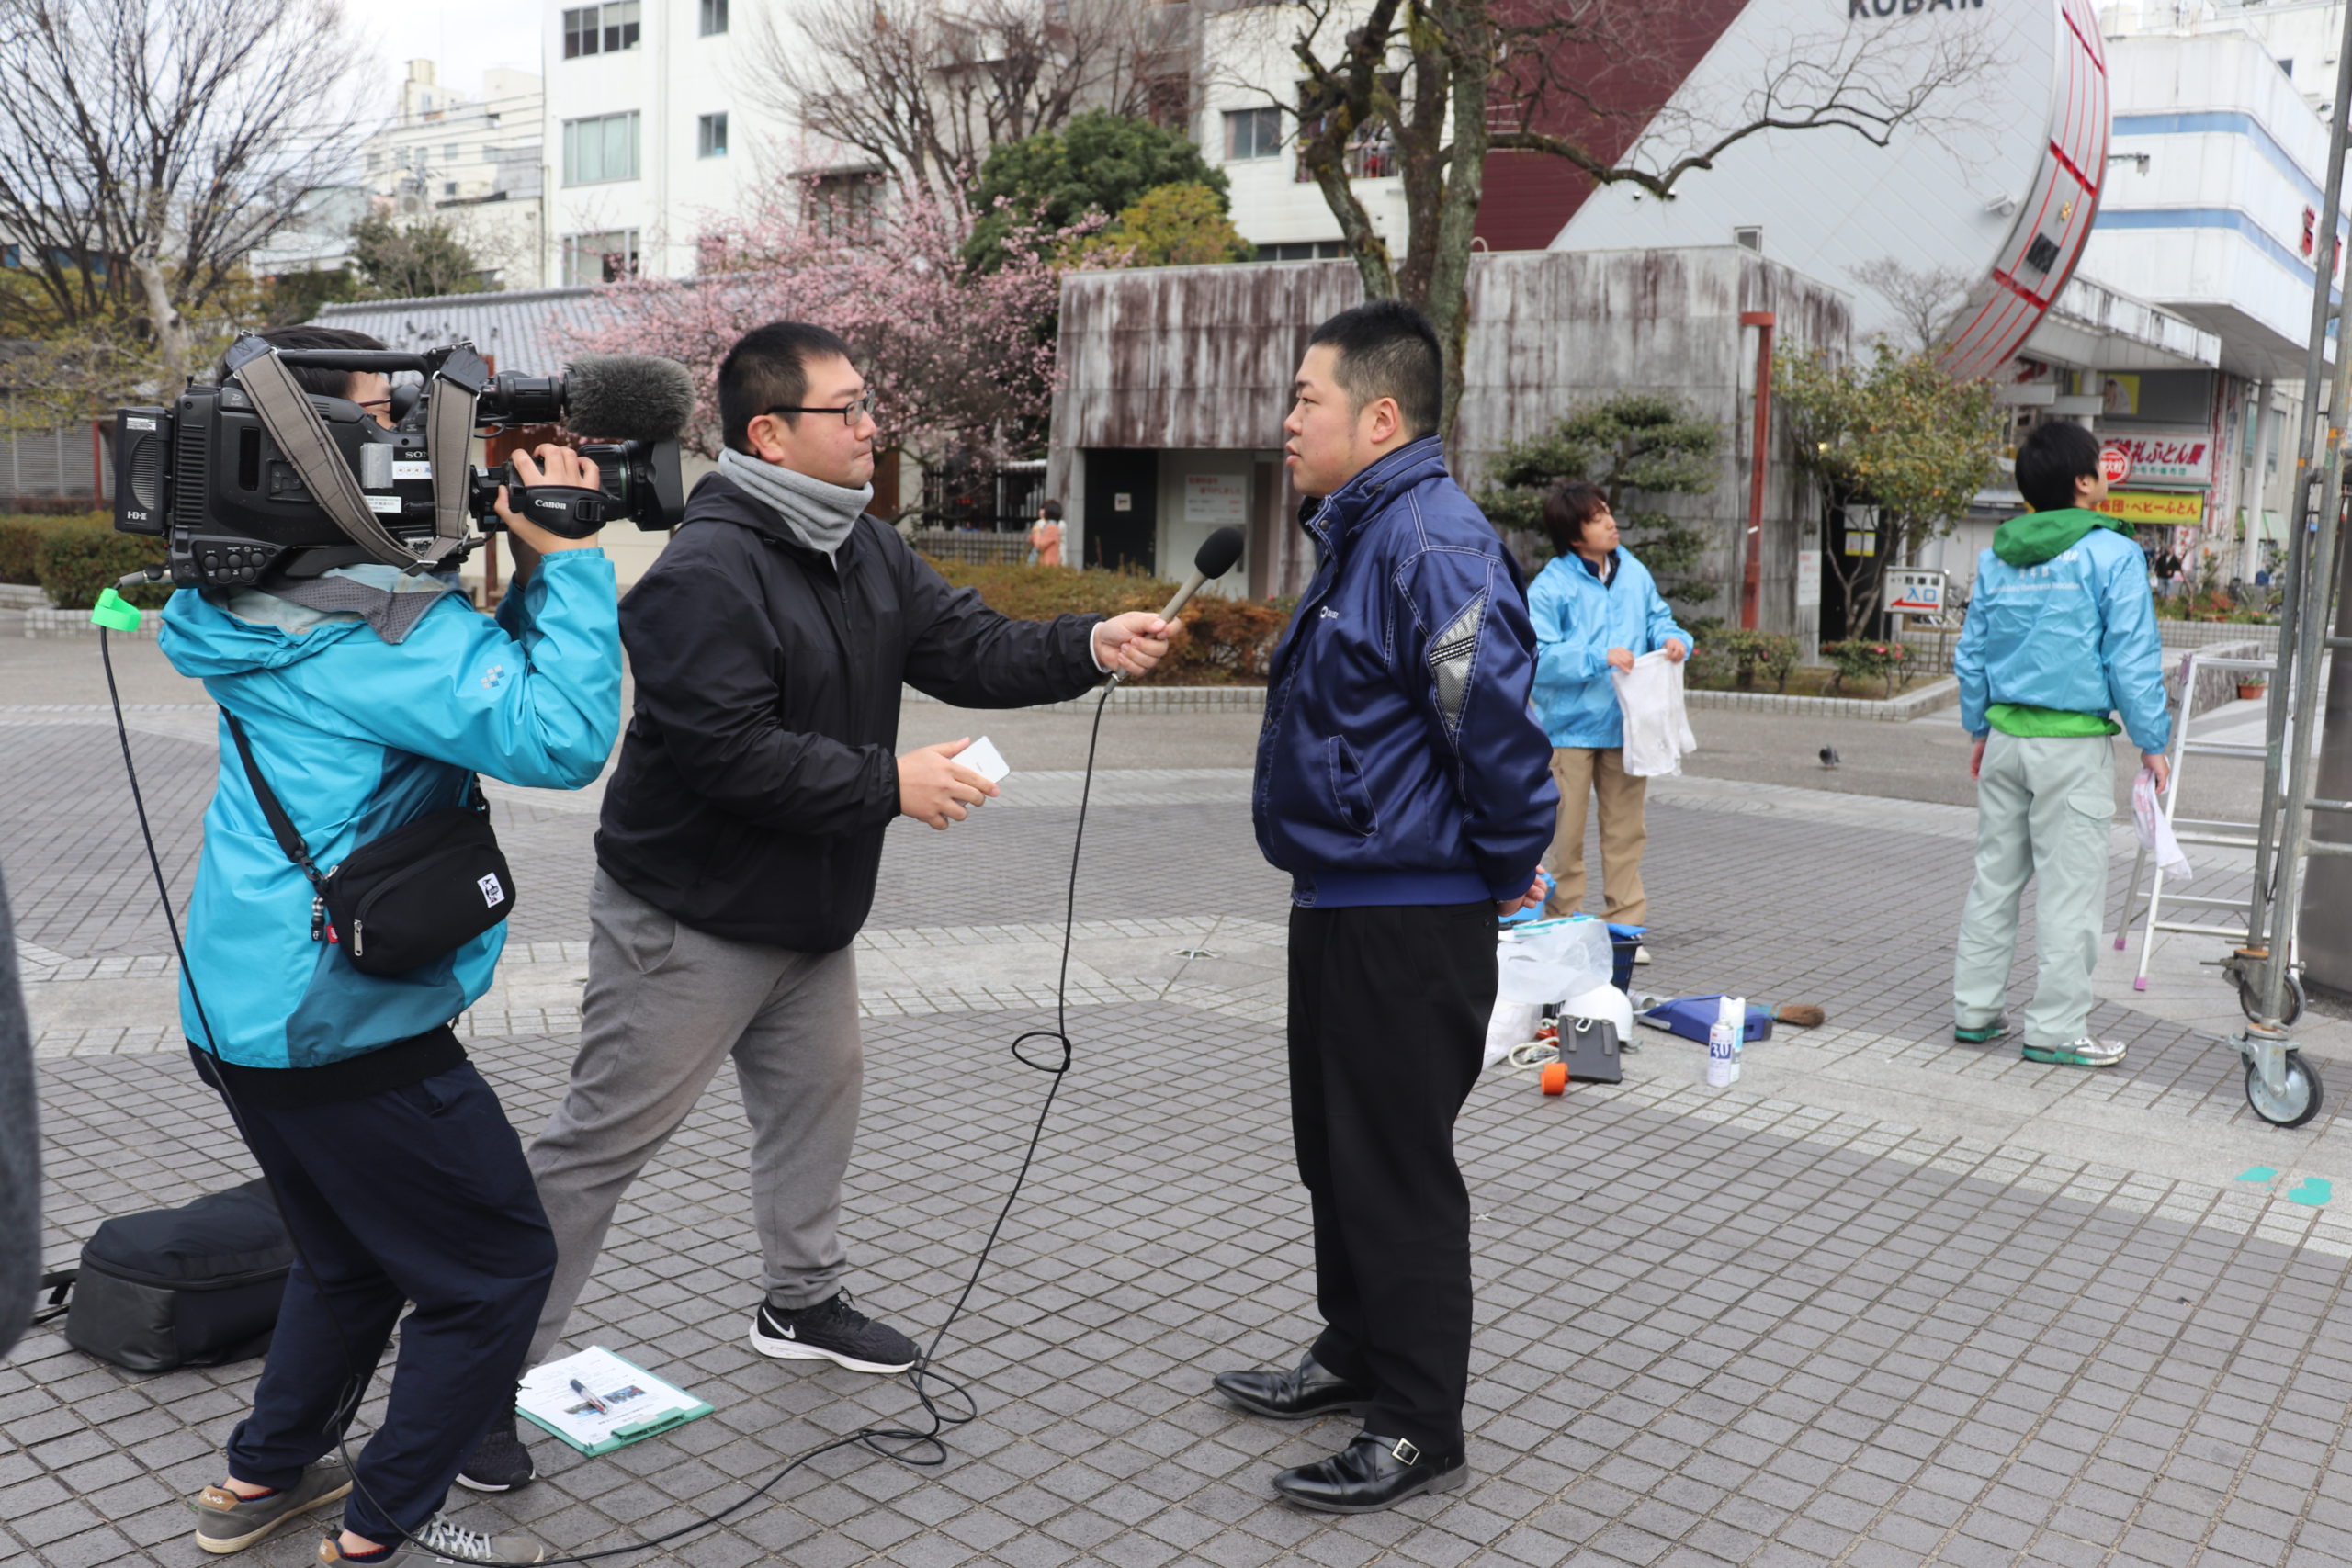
pixel 1555 1077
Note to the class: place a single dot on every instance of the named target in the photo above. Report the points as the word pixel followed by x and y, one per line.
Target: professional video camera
pixel 256 475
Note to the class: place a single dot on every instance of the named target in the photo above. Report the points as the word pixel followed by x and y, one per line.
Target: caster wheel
pixel 2250 999
pixel 2297 1103
pixel 1555 1077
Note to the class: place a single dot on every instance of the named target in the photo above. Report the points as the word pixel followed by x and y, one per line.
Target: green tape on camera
pixel 114 613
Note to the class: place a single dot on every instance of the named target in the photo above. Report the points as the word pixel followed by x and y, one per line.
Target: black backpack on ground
pixel 196 1286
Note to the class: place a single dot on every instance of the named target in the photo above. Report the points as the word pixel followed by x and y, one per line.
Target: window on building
pixel 1749 237
pixel 448 188
pixel 1371 155
pixel 1304 250
pixel 846 205
pixel 710 136
pixel 600 29
pixel 606 257
pixel 1252 133
pixel 375 161
pixel 599 149
pixel 714 16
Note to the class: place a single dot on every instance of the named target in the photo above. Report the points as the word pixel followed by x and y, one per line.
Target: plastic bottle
pixel 1724 1042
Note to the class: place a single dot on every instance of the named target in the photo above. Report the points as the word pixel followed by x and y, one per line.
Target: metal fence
pixel 1002 500
pixel 972 546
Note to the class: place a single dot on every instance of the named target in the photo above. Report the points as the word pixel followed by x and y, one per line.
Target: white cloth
pixel 1657 732
pixel 2155 830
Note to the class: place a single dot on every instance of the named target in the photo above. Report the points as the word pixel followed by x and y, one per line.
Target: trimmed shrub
pixel 77 562
pixel 20 537
pixel 1225 641
pixel 1860 660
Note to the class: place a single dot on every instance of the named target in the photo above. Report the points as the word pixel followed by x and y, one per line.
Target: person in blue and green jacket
pixel 1595 608
pixel 2060 634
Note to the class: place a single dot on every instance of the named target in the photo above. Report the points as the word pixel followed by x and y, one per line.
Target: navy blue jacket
pixel 1398 763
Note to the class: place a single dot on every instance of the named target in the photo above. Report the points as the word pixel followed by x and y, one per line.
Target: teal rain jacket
pixel 1578 621
pixel 2077 632
pixel 358 737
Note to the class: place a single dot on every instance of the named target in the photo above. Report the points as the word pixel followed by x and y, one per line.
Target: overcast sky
pixel 465 36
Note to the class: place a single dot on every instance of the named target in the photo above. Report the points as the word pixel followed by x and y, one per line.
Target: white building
pixel 648 139
pixel 474 164
pixel 1248 126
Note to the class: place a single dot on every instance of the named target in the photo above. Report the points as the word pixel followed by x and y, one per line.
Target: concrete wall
pixel 1200 358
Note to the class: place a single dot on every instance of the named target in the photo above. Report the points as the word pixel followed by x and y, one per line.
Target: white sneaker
pixel 1641 955
pixel 2083 1053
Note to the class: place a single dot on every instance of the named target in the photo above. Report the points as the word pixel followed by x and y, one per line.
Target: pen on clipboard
pixel 595 1404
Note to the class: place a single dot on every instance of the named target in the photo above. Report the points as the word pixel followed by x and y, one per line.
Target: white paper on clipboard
pixel 630 1397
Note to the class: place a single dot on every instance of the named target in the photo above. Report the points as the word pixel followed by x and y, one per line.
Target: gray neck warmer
pixel 820 515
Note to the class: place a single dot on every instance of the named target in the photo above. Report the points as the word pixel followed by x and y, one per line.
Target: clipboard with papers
pixel 622 1404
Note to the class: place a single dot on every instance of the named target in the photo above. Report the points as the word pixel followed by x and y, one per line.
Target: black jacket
pixel 760 768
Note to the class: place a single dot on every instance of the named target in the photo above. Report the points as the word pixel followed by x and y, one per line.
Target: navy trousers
pixel 414 1194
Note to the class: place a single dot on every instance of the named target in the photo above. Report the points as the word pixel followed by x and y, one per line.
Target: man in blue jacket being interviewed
pixel 1404 784
pixel 2061 634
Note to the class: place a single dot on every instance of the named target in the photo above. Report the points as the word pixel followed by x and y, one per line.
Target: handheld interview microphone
pixel 1212 560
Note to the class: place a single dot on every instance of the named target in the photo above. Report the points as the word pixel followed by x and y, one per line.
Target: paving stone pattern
pixel 1712 1328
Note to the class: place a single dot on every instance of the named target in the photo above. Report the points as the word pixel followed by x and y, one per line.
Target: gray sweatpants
pixel 2043 803
pixel 664 1005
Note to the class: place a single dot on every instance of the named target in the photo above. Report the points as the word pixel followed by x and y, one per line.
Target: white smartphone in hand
pixel 982 757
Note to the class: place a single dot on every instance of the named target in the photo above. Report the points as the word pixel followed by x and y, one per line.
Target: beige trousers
pixel 1583 773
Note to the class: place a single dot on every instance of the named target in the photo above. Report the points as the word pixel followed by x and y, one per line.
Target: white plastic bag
pixel 2155 832
pixel 1512 1023
pixel 1550 960
pixel 1657 729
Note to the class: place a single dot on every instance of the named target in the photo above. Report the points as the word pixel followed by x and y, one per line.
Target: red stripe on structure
pixel 2098 60
pixel 2067 164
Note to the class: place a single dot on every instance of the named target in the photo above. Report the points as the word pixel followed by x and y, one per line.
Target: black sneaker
pixel 500 1463
pixel 831 1331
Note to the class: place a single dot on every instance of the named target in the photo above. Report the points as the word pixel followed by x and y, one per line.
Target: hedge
pixel 1225 641
pixel 20 539
pixel 75 560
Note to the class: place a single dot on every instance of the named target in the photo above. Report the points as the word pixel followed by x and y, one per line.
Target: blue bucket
pixel 1624 943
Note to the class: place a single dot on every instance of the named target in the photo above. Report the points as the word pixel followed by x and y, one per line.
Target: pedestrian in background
pixel 2061 633
pixel 1046 535
pixel 1595 608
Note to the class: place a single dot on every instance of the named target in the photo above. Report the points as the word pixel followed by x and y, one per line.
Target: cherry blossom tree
pixel 961 363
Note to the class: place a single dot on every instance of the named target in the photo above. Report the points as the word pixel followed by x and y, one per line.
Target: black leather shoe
pixel 1295 1395
pixel 1370 1474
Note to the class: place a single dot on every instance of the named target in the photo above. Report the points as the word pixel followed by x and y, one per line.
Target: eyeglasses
pixel 850 412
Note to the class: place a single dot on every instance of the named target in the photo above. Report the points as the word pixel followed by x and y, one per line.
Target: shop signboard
pixel 2173 508
pixel 2162 457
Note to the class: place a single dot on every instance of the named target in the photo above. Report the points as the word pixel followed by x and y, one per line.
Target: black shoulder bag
pixel 418 893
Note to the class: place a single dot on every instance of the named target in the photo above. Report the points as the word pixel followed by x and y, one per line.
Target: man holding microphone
pixel 1406 787
pixel 743 833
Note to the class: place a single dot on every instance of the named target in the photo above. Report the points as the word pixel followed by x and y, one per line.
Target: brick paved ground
pixel 1891 1300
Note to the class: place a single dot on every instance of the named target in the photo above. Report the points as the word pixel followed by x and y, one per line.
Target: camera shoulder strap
pixel 281 826
pixel 449 444
pixel 298 431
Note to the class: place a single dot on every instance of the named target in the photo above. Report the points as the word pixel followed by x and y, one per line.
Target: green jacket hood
pixel 2037 537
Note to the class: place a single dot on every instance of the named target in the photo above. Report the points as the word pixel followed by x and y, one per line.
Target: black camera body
pixel 205 475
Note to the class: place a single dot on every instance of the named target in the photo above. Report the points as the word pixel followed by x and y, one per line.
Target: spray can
pixel 1724 1042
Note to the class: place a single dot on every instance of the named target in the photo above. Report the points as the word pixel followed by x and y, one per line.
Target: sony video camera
pixel 254 475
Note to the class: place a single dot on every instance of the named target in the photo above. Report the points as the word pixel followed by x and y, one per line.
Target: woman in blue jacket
pixel 1594 608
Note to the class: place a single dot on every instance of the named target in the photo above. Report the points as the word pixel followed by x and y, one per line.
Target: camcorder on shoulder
pixel 256 476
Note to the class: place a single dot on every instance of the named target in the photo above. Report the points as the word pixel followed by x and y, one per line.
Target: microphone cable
pixel 1048 1051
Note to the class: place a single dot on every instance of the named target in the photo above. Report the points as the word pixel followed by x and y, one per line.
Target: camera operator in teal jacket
pixel 2061 634
pixel 391 1161
pixel 1595 608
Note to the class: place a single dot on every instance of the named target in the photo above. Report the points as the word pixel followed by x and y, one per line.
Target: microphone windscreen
pixel 1217 553
pixel 628 397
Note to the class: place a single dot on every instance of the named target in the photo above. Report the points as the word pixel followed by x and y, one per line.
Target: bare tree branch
pixel 1926 300
pixel 923 92
pixel 158 144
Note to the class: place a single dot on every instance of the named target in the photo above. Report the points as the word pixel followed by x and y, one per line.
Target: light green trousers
pixel 2043 806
